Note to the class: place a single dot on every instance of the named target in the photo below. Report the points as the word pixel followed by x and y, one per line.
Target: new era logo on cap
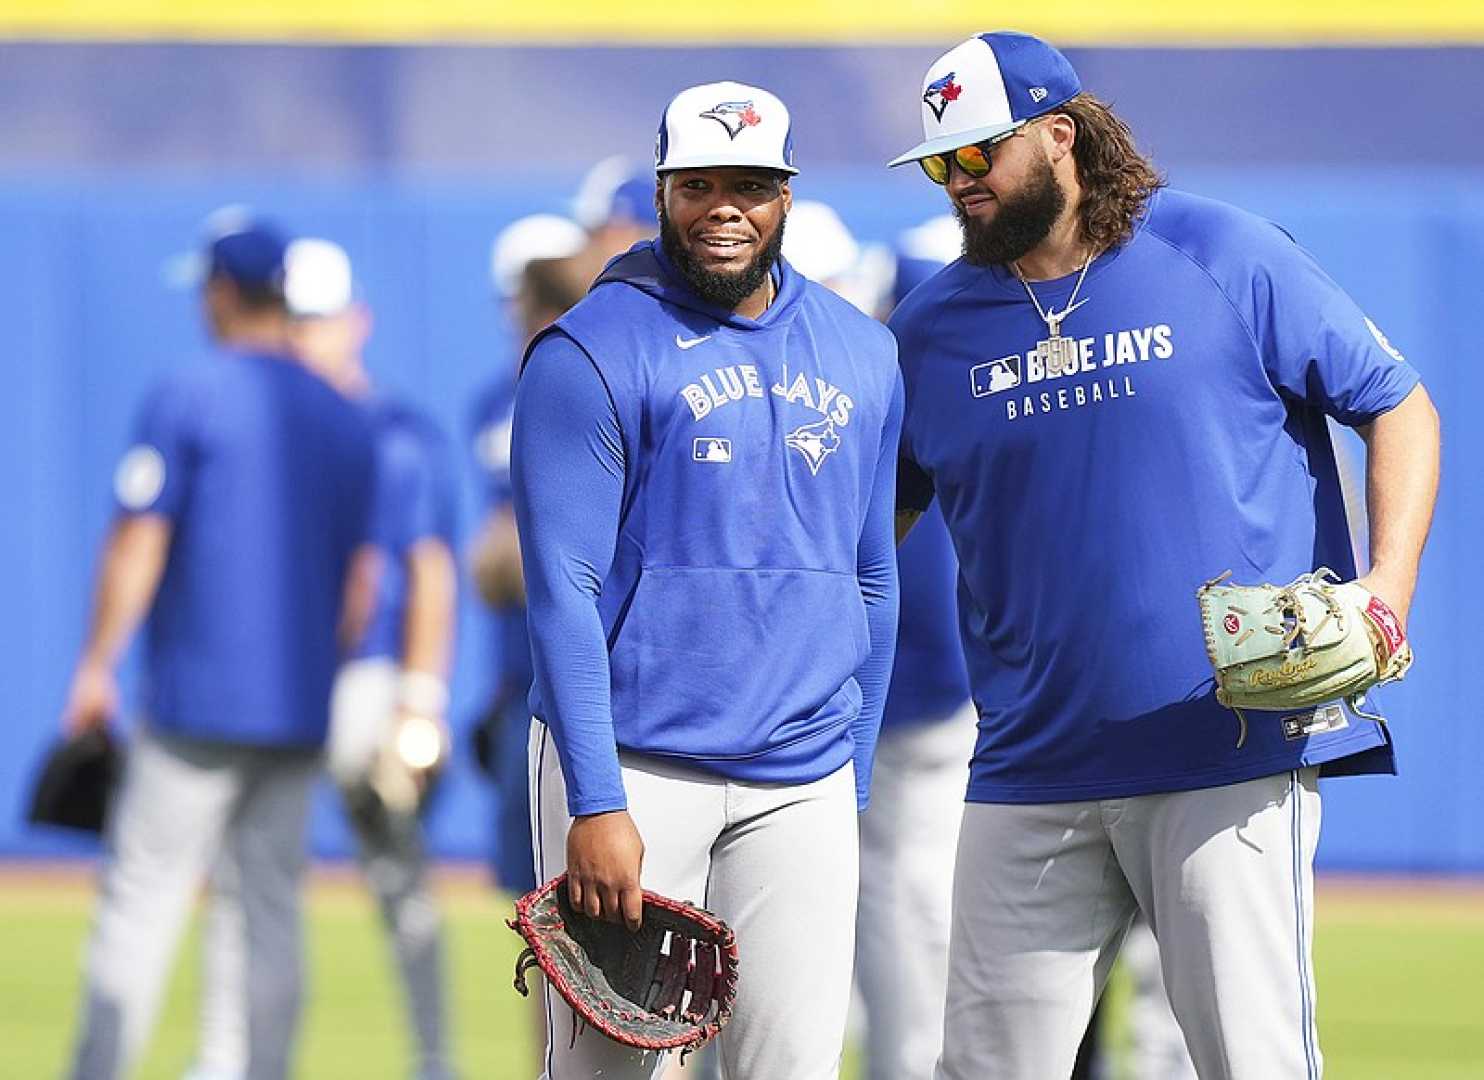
pixel 987 86
pixel 725 124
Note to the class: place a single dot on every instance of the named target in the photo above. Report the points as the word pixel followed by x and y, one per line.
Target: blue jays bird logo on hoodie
pixel 815 441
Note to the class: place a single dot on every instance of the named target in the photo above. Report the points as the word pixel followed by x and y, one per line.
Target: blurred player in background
pixel 1118 392
pixel 242 505
pixel 535 278
pixel 538 243
pixel 390 694
pixel 909 833
pixel 615 204
pixel 702 463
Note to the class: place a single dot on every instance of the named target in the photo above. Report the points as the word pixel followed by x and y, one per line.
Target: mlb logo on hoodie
pixel 715 451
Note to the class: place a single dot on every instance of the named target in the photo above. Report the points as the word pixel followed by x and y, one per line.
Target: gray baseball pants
pixel 1043 895
pixel 181 804
pixel 394 860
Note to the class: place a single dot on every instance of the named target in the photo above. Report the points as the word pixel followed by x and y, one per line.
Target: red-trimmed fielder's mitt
pixel 1295 646
pixel 669 985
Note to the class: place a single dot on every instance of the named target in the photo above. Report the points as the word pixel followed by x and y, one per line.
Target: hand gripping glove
pixel 1299 645
pixel 669 985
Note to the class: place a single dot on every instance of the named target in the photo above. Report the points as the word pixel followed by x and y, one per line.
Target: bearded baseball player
pixel 704 473
pixel 1118 392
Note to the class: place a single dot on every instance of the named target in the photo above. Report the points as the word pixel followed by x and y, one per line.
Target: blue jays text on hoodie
pixel 705 505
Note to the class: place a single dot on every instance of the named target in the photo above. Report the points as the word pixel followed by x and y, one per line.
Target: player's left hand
pixel 92 699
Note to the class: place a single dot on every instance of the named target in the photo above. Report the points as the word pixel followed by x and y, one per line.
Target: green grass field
pixel 1399 976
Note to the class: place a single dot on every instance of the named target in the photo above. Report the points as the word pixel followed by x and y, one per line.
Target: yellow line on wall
pixel 665 22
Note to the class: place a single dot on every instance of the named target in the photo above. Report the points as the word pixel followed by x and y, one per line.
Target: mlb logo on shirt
pixel 995 376
pixel 716 451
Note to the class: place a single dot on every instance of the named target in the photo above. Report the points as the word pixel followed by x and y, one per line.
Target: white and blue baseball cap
pixel 987 86
pixel 725 124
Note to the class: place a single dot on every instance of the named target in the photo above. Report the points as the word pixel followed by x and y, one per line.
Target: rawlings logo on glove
pixel 669 985
pixel 1299 645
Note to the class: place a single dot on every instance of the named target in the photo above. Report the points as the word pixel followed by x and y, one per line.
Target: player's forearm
pixel 1402 464
pixel 129 573
pixel 432 600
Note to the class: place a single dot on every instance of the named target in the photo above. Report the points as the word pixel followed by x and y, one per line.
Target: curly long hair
pixel 1117 181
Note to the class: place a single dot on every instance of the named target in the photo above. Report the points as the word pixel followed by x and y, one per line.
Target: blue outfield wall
pixel 90 323
pixel 415 156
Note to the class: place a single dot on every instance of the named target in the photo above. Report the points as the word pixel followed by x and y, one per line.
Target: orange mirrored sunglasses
pixel 974 159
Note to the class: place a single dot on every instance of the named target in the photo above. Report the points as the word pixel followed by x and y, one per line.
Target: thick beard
pixel 1023 221
pixel 725 290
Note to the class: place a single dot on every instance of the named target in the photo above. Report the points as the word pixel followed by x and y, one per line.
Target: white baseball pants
pixel 1044 894
pixel 778 862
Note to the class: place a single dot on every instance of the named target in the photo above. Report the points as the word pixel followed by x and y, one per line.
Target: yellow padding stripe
pixel 1068 22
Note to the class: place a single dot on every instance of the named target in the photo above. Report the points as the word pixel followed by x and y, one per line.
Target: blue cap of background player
pixel 987 86
pixel 615 192
pixel 722 125
pixel 239 246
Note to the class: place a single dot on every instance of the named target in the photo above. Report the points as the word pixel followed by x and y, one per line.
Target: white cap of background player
pixel 538 236
pixel 316 278
pixel 820 246
pixel 725 124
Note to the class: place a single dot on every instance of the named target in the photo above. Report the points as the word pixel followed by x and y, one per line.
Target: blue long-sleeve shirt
pixel 705 504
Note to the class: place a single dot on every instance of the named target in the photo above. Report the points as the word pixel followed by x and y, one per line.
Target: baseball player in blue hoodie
pixel 704 473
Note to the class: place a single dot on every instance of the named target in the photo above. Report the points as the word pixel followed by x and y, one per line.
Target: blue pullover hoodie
pixel 705 504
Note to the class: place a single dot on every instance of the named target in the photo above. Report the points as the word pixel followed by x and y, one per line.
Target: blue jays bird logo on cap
pixel 734 116
pixel 815 441
pixel 940 92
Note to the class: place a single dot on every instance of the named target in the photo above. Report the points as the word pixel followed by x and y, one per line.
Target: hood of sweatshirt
pixel 646 267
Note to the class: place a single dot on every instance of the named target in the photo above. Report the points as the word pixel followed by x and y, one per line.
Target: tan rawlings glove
pixel 1299 645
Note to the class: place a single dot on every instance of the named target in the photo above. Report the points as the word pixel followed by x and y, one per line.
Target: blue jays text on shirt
pixel 815 441
pixel 1011 375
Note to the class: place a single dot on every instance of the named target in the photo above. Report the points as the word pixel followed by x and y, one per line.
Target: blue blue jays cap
pixel 633 202
pixel 725 124
pixel 237 245
pixel 987 86
pixel 615 191
pixel 253 257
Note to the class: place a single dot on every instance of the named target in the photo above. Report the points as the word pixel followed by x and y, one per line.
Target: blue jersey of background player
pixel 415 501
pixel 221 454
